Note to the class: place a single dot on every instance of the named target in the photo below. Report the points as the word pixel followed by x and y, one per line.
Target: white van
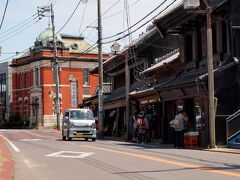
pixel 78 123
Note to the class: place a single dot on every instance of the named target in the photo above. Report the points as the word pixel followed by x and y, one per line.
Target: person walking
pixel 179 125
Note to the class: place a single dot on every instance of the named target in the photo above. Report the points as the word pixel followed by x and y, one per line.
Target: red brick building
pixel 33 77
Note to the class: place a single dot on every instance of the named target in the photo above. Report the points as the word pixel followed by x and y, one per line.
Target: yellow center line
pixel 152 158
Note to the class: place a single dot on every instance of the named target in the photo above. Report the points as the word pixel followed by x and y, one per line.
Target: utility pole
pixel 100 72
pixel 127 84
pixel 41 11
pixel 211 107
pixel 210 77
pixel 56 72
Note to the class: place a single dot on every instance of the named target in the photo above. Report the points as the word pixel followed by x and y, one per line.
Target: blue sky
pixel 113 20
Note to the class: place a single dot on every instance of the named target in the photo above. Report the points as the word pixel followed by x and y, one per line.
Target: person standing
pixel 179 124
pixel 135 126
pixel 142 127
pixel 150 119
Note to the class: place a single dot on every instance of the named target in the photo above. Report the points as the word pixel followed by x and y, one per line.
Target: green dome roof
pixel 46 35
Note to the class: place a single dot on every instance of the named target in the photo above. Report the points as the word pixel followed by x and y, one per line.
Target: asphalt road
pixel 42 155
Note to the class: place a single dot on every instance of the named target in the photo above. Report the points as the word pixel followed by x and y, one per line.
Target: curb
pixel 230 151
pixel 222 151
pixel 6 162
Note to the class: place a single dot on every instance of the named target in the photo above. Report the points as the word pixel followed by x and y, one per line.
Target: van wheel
pixel 93 139
pixel 86 139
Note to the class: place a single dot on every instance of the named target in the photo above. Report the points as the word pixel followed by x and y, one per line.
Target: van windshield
pixel 81 115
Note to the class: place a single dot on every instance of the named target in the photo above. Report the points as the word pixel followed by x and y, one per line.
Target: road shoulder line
pixel 6 161
pixel 11 144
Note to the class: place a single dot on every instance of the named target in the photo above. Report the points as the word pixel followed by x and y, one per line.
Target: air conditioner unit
pixel 191 4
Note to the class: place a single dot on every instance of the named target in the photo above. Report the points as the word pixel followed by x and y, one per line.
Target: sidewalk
pixel 157 144
pixel 6 161
pixel 224 150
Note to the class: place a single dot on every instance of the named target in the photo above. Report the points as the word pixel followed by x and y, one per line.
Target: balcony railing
pixel 233 125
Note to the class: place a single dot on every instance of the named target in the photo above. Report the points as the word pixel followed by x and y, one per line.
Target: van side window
pixel 66 114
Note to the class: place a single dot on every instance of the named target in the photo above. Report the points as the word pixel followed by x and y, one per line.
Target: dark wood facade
pixel 189 88
pixel 171 84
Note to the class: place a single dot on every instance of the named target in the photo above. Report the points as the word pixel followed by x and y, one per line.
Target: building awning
pixel 141 92
pixel 190 78
pixel 165 60
pixel 114 104
pixel 116 95
pixel 121 92
pixel 181 80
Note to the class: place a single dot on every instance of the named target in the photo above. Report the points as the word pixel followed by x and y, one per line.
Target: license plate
pixel 79 135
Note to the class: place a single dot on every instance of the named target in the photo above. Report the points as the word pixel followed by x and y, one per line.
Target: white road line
pixel 11 144
pixel 35 134
pixel 30 139
pixel 71 154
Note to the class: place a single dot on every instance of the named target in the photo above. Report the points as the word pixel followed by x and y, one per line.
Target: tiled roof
pixel 183 79
pixel 173 5
pixel 116 95
pixel 164 60
pixel 106 89
pixel 121 92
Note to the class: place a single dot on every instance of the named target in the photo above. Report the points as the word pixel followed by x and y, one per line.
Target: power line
pixel 135 2
pixel 4 13
pixel 42 65
pixel 84 11
pixel 141 25
pixel 17 53
pixel 106 17
pixel 95 21
pixel 13 31
pixel 49 2
pixel 69 17
pixel 128 19
pixel 34 68
pixel 20 31
pixel 10 29
pixel 137 21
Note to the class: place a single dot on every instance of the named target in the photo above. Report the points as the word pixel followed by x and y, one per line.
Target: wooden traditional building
pixel 140 55
pixel 188 89
pixel 168 71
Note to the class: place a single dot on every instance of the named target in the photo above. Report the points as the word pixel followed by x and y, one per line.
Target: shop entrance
pixel 194 108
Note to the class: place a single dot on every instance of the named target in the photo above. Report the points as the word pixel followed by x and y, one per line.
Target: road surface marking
pixel 11 144
pixel 31 164
pixel 35 134
pixel 152 158
pixel 30 139
pixel 71 154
